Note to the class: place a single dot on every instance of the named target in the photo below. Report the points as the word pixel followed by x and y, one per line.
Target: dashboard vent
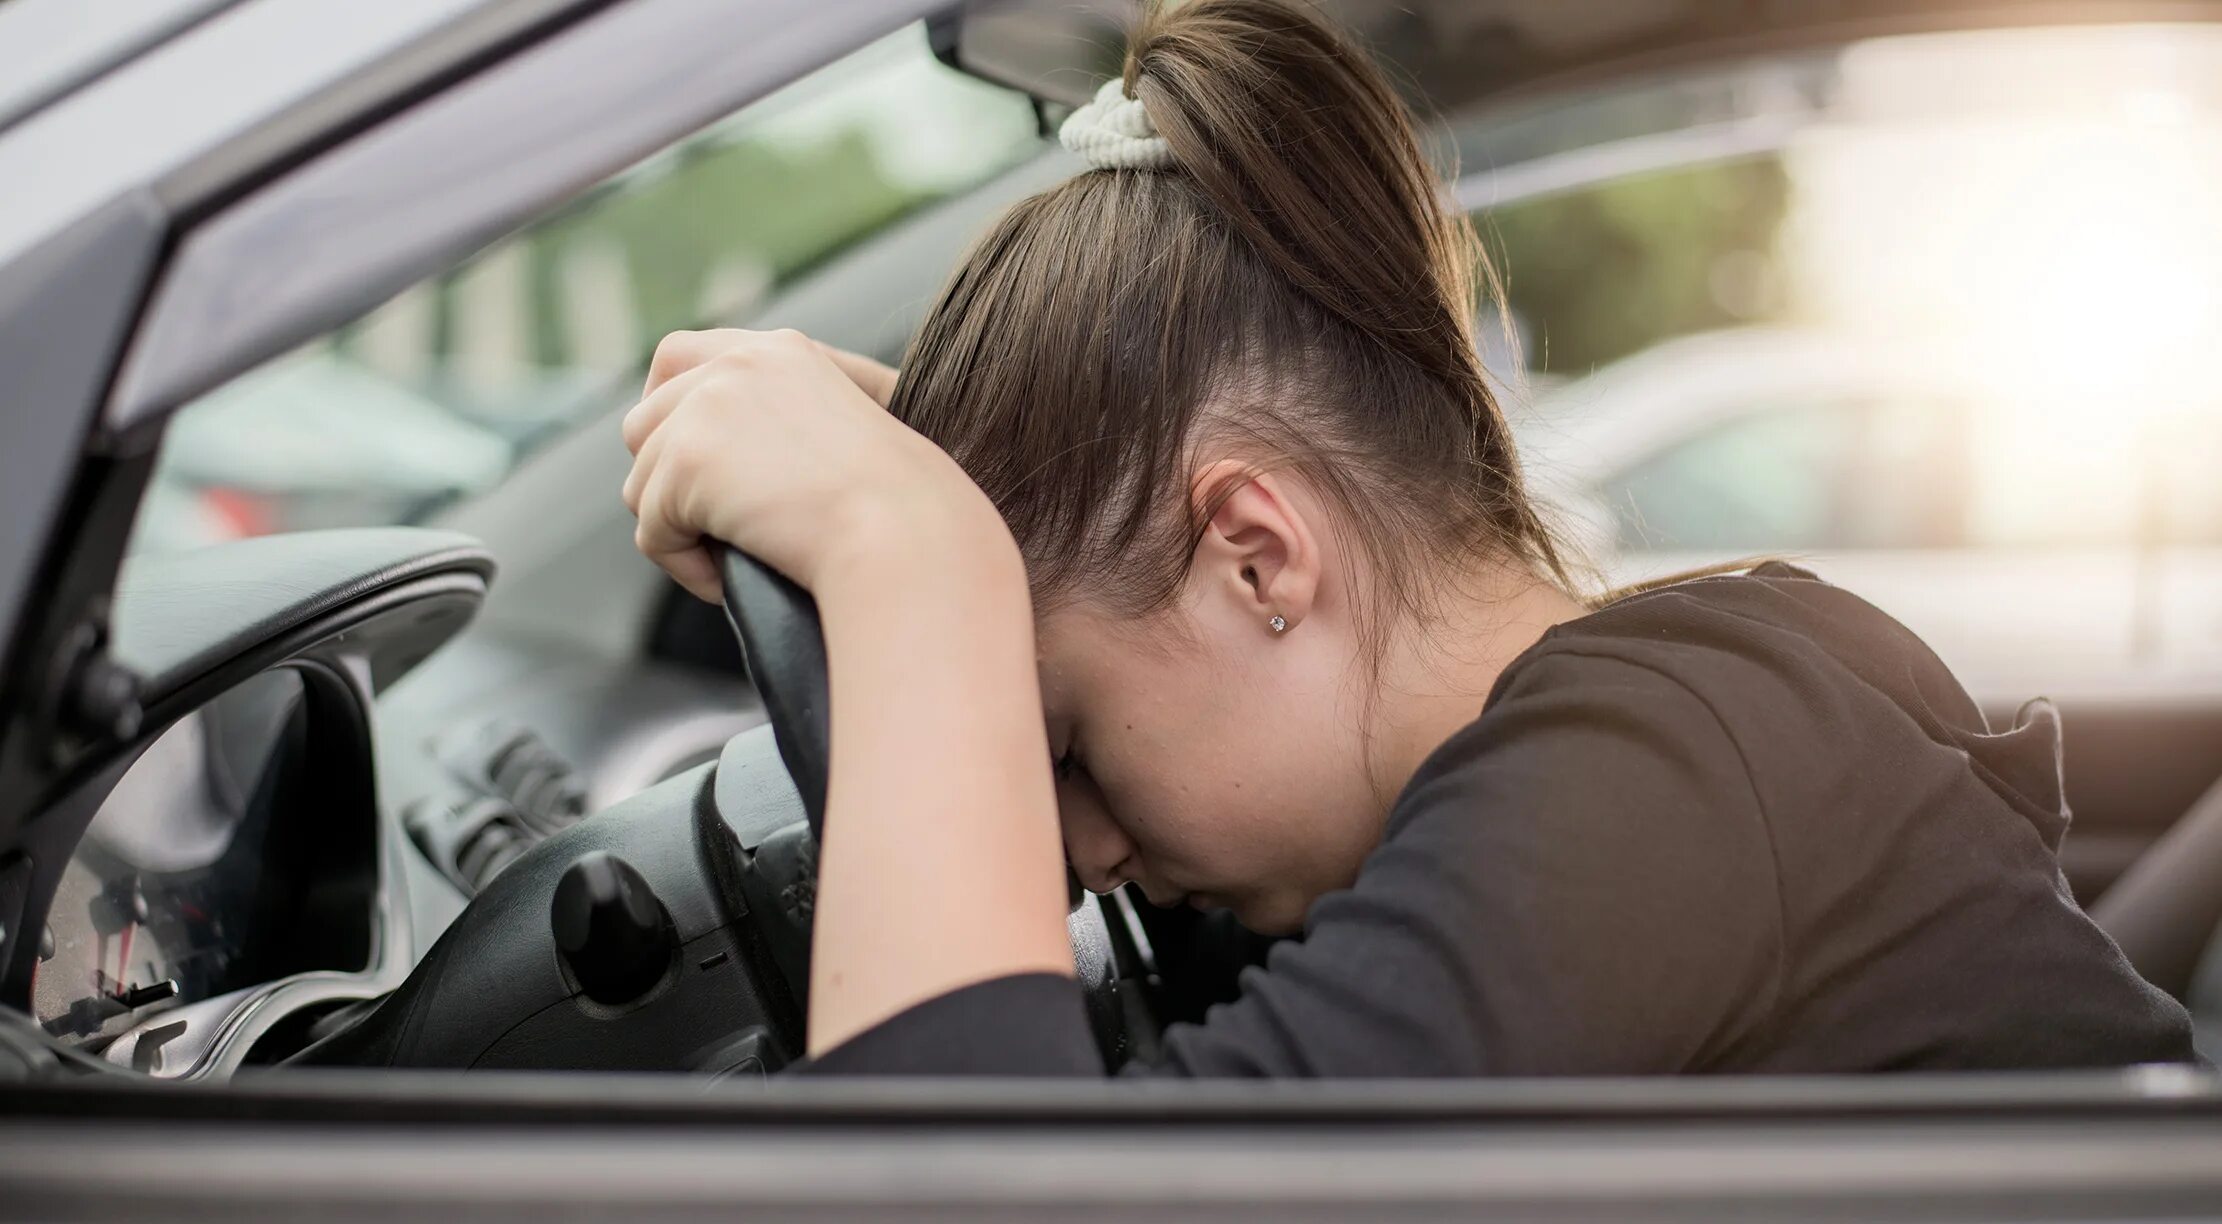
pixel 517 792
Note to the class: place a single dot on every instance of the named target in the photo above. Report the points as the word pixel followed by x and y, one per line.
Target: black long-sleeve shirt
pixel 1738 824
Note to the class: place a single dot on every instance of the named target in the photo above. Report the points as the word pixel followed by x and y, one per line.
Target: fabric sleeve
pixel 1024 1024
pixel 1581 882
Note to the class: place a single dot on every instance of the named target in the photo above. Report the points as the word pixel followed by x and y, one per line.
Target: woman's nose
pixel 1102 883
pixel 1100 852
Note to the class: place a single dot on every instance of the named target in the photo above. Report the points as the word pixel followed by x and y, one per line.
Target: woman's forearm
pixel 941 854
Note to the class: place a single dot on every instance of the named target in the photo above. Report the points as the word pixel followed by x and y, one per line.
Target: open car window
pixel 1880 222
pixel 442 391
pixel 1804 476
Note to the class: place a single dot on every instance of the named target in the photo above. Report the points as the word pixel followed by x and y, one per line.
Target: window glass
pixel 440 392
pixel 2021 218
pixel 2148 482
pixel 2185 492
pixel 1774 479
pixel 1880 474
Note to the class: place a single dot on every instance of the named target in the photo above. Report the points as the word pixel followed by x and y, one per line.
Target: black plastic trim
pixel 65 311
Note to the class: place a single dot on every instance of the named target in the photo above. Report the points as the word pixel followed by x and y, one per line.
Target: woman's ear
pixel 1258 549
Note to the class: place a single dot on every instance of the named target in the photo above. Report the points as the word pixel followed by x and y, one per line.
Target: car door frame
pixel 168 290
pixel 2134 1144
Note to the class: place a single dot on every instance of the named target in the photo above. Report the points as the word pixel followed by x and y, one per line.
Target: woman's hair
pixel 1293 293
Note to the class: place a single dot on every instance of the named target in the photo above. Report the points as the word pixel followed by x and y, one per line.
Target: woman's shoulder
pixel 1771 666
pixel 1812 685
pixel 1769 607
pixel 1775 637
pixel 1662 694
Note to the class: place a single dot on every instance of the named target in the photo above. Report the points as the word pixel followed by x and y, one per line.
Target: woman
pixel 1190 549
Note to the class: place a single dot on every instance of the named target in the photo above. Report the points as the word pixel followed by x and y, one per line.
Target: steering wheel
pixel 785 651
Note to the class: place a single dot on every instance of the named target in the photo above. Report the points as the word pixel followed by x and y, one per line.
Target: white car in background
pixel 1869 463
pixel 319 441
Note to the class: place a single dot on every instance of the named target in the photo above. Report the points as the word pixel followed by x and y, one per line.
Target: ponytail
pixel 1281 281
pixel 1298 142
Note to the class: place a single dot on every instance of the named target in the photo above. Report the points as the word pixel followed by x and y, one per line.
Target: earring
pixel 1279 624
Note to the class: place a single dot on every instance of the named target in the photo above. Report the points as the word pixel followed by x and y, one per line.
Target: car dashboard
pixel 296 859
pixel 198 890
pixel 230 854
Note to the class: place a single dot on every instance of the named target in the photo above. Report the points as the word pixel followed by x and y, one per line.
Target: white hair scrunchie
pixel 1114 132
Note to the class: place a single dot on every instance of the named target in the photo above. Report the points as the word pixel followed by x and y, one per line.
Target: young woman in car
pixel 1190 549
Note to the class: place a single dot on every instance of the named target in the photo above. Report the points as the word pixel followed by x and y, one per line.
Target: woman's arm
pixel 940 863
pixel 941 858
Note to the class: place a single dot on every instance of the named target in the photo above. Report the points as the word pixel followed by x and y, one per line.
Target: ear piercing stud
pixel 1279 624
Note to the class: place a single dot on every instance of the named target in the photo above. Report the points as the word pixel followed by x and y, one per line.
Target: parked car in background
pixel 1895 470
pixel 320 441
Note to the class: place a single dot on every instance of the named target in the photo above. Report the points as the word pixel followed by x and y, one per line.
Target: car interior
pixel 427 769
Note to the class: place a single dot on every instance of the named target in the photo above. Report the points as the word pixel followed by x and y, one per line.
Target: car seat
pixel 2166 913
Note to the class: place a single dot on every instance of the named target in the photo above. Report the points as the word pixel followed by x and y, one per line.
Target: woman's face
pixel 1206 758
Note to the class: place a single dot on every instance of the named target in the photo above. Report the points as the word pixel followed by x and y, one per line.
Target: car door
pixel 398 186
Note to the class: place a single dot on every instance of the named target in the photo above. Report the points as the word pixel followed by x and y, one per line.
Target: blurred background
pixel 1928 313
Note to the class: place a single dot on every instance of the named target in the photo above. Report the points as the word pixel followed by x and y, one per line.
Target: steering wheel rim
pixel 784 648
pixel 785 652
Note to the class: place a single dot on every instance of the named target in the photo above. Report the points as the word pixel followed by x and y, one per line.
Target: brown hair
pixel 1294 293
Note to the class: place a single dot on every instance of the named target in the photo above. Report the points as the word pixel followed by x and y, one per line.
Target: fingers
pixel 743 352
pixel 682 351
pixel 643 418
pixel 871 377
pixel 720 406
pixel 660 490
pixel 645 457
pixel 697 571
pixel 664 536
pixel 656 492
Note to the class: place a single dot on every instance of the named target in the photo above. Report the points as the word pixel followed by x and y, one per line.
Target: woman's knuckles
pixel 769 445
pixel 679 352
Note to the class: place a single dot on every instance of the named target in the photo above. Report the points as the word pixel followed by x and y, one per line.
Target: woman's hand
pixel 871 377
pixel 780 446
pixel 939 864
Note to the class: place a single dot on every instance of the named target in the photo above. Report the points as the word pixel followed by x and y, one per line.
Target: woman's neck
pixel 1436 680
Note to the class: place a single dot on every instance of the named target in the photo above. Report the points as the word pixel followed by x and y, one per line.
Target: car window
pixel 1770 480
pixel 2145 483
pixel 1706 244
pixel 2184 493
pixel 442 391
pixel 1880 473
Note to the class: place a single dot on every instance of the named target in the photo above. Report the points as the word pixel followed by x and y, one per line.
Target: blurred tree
pixel 778 206
pixel 1597 274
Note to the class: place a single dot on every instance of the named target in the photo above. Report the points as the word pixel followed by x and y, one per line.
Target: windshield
pixel 445 389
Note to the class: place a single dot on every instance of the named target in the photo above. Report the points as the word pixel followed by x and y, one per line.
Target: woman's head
pixel 1241 387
